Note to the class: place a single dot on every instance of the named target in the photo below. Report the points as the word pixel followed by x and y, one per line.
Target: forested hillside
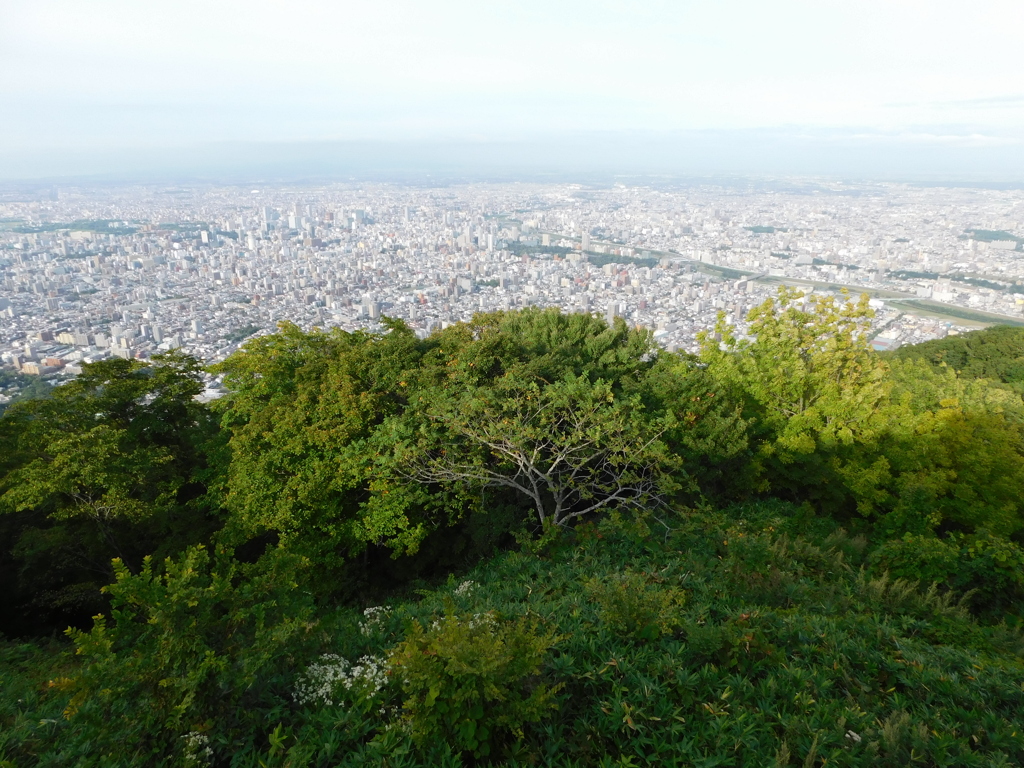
pixel 996 354
pixel 532 539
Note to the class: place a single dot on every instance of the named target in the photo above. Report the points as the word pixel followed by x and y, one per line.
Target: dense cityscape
pixel 90 273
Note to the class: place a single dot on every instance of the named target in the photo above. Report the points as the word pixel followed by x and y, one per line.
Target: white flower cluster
pixel 332 677
pixel 483 620
pixel 197 749
pixel 465 589
pixel 375 617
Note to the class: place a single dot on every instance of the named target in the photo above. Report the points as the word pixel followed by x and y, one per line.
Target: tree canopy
pixel 995 353
pixel 112 464
pixel 674 554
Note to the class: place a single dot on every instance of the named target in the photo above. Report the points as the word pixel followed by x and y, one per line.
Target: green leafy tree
pixel 920 387
pixel 542 345
pixel 955 469
pixel 704 428
pixel 321 423
pixel 96 475
pixel 994 353
pixel 952 453
pixel 564 412
pixel 571 447
pixel 111 465
pixel 342 441
pixel 811 386
pixel 920 447
pixel 300 407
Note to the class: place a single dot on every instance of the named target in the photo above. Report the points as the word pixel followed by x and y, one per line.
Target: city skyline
pixel 92 273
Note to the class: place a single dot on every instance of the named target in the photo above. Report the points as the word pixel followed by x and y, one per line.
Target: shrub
pixel 635 604
pixel 30 720
pixel 471 680
pixel 990 566
pixel 186 655
pixel 861 670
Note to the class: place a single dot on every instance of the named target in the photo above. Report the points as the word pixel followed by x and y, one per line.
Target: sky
pixel 94 85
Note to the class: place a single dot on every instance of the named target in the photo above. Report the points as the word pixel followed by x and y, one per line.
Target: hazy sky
pixel 127 74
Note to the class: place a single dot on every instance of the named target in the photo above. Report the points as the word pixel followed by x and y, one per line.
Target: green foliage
pixel 20 386
pixel 103 226
pixel 471 679
pixel 811 387
pixel 995 353
pixel 923 387
pixel 94 474
pixel 112 464
pixel 956 468
pixel 569 414
pixel 792 641
pixel 917 448
pixel 190 651
pixel 990 235
pixel 572 447
pixel 702 427
pixel 600 259
pixel 640 627
pixel 30 716
pixel 991 285
pixel 808 371
pixel 301 407
pixel 950 457
pixel 542 344
pixel 990 568
pixel 341 441
pixel 635 604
